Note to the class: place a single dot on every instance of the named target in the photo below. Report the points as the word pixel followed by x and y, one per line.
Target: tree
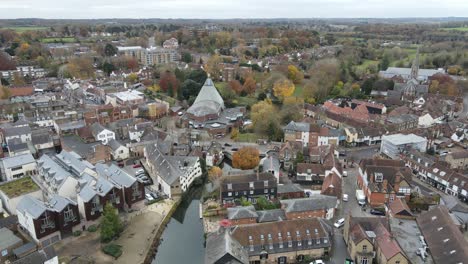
pixel 187 57
pixel 236 86
pixel 111 226
pixel 385 62
pixel 249 85
pixel 213 66
pixel 246 158
pixel 132 77
pixel 18 80
pixel 283 88
pixel 234 133
pixel 291 109
pixel 108 68
pixel 244 202
pixel 215 173
pixel 294 74
pixel 6 63
pixel 110 50
pixel 168 82
pixel 262 114
pixel 4 92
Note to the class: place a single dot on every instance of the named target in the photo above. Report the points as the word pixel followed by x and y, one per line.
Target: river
pixel 183 238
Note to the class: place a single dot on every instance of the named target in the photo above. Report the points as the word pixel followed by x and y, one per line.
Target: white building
pixel 101 133
pixel 118 151
pixel 394 145
pixel 11 194
pixel 172 175
pixel 18 166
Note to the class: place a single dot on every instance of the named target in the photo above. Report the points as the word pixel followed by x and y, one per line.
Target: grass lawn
pixel 58 40
pixel 456 29
pixel 366 63
pixel 248 137
pixel 18 187
pixel 298 91
pixel 24 29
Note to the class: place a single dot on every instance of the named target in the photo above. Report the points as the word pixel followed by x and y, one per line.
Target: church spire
pixel 415 66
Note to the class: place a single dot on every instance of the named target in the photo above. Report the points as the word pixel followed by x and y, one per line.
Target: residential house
pixel 384 180
pixel 48 222
pixel 288 152
pixel 46 255
pixel 445 241
pixel 369 240
pixel 102 134
pixel 133 188
pixel 285 241
pixel 372 107
pixel 172 175
pixel 393 145
pixel 290 191
pixel 438 175
pixel 402 122
pixel 310 173
pixel 250 186
pixel 118 151
pixel 359 114
pixel 332 186
pixel 399 209
pixel 221 248
pixel 272 165
pixel 214 154
pixel 302 132
pixel 458 160
pixel 136 132
pixel 329 136
pixel 16 147
pixel 242 215
pixel 18 166
pixel 321 206
pixel 21 132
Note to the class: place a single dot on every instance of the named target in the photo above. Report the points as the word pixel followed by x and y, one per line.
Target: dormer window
pixel 229 186
pixel 265 183
pixel 251 185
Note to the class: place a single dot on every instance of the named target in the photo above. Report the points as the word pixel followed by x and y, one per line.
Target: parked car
pixel 345 197
pixel 345 173
pixel 143 178
pixel 136 166
pixel 148 197
pixel 339 223
pixel 227 145
pixel 377 212
pixel 140 171
pixel 121 164
pixel 155 196
pixel 317 261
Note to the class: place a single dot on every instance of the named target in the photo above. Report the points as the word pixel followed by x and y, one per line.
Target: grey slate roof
pixel 52 170
pixel 16 131
pixel 41 137
pixel 58 203
pixel 314 202
pixel 170 168
pixel 8 239
pixel 402 118
pixel 221 247
pixel 38 257
pixel 297 126
pixel 93 187
pixel 18 160
pixel 115 175
pixel 208 101
pixel 241 212
pixel 32 206
pixel 271 215
pixel 114 144
pixel 96 128
pixel 74 161
pixel 289 188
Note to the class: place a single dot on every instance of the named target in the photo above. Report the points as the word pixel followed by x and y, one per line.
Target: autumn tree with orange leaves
pixel 283 88
pixel 246 158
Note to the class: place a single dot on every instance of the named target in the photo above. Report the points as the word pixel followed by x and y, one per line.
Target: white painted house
pixel 101 133
pixel 172 175
pixel 118 151
pixel 18 166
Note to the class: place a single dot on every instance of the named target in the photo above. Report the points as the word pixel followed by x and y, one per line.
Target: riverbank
pixel 141 231
pixel 152 248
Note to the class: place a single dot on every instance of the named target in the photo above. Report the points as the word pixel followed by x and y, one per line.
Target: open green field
pixel 24 29
pixel 248 137
pixel 456 29
pixel 58 40
pixel 298 91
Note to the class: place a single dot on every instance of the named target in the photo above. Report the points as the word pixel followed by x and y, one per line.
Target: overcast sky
pixel 230 8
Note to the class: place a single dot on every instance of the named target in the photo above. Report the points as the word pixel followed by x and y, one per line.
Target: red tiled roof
pixel 21 91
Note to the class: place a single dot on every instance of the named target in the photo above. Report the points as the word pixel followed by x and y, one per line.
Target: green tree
pixel 385 62
pixel 244 202
pixel 111 226
pixel 108 68
pixel 110 50
pixel 187 57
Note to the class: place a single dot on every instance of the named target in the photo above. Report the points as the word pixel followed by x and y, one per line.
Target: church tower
pixel 415 66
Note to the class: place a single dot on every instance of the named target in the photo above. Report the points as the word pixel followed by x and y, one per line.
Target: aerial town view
pixel 233 132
